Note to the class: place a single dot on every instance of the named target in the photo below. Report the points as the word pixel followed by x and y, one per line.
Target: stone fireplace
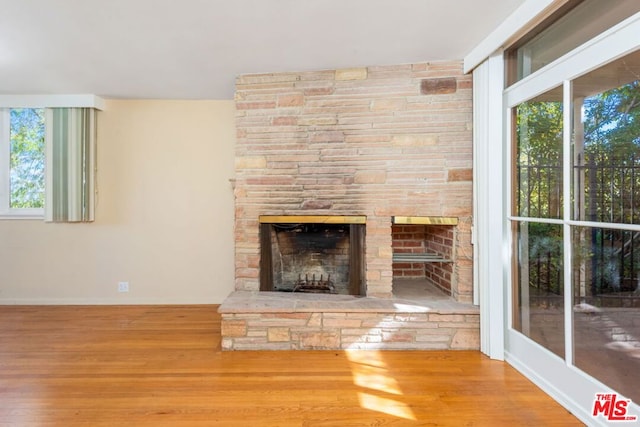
pixel 389 145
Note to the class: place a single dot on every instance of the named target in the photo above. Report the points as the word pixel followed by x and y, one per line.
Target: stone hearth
pixel 276 321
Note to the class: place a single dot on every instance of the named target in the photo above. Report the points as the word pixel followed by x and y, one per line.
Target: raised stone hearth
pixel 296 321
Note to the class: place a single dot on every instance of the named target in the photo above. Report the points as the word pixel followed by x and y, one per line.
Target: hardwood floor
pixel 162 366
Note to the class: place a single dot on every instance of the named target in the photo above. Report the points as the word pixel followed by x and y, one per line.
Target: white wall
pixel 164 217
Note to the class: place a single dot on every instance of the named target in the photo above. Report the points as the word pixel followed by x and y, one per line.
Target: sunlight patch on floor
pixel 370 372
pixel 385 405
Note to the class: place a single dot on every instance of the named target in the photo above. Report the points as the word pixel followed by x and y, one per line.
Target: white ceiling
pixel 194 49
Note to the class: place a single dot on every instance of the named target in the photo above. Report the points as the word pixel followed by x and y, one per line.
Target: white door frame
pixel 570 386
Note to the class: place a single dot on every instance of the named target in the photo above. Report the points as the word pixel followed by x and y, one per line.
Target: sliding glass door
pixel 574 219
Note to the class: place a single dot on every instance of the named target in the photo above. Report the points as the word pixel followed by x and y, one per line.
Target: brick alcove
pixel 424 251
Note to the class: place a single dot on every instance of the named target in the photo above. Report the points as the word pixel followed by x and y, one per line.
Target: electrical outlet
pixel 123 286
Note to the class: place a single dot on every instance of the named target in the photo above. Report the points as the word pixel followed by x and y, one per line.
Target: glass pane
pixel 580 24
pixel 538 160
pixel 26 176
pixel 539 291
pixel 607 306
pixel 607 143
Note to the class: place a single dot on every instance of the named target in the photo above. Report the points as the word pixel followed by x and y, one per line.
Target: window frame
pixel 571 24
pixel 608 46
pixel 614 43
pixel 8 102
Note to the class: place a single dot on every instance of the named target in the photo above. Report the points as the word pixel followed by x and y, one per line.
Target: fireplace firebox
pixel 312 254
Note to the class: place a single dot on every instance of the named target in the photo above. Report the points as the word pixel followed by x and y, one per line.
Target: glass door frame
pixel 558 376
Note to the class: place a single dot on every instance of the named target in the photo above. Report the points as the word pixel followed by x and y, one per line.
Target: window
pixel 538 198
pixel 575 221
pixel 48 163
pixel 562 32
pixel 605 233
pixel 22 172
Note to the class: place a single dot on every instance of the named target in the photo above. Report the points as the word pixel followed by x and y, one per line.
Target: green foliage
pixel 539 131
pixel 609 181
pixel 27 158
pixel 612 122
pixel 612 155
pixel 539 159
pixel 545 248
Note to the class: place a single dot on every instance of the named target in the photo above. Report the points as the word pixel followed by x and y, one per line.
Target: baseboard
pixel 108 301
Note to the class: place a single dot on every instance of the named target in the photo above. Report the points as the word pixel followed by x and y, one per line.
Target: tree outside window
pixel 27 158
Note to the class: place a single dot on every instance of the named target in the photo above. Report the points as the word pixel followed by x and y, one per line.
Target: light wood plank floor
pixel 162 366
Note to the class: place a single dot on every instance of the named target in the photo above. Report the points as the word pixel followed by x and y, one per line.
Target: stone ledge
pixel 254 320
pixel 342 331
pixel 285 302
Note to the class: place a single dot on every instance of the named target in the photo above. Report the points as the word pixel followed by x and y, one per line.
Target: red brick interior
pixel 435 239
pixel 440 239
pixel 408 239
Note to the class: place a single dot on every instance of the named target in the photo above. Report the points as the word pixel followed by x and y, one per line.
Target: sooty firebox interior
pixel 312 254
